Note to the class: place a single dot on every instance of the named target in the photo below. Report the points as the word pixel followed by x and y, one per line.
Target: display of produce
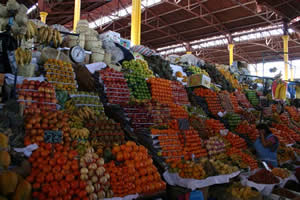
pixel 234 103
pixel 223 168
pixel 196 70
pixel 36 96
pixel 214 127
pixel 116 89
pixel 229 77
pixel 242 100
pixel 47 35
pixel 199 125
pixel 224 97
pixel 179 93
pixel 242 159
pixel 214 145
pixel 136 174
pixel 188 169
pixel 248 129
pixel 60 74
pixel 287 132
pixel 160 66
pixel 233 120
pixel 295 115
pixel 212 100
pixel 161 90
pixel 252 97
pixel 177 111
pixel 280 172
pixel 23 56
pixel 137 68
pixel 192 144
pixel 285 154
pixel 56 176
pixel 138 86
pixel 239 191
pixel 235 140
pixel 263 176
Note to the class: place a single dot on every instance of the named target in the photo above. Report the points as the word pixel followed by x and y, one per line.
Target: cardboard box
pixel 111 35
pixel 2 77
pixel 125 43
pixel 199 80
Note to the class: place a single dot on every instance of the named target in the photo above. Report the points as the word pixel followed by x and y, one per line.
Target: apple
pixel 41 89
pixel 31 82
pixel 21 97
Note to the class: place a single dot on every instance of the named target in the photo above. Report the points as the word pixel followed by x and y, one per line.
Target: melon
pixel 23 191
pixel 8 182
pixel 4 159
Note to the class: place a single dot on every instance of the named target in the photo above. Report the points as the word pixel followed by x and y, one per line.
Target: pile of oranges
pixel 178 112
pixel 136 174
pixel 161 90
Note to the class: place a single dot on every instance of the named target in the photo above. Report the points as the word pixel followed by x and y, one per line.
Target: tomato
pixel 82 184
pixel 49 177
pixel 70 177
pixel 82 194
pixel 74 184
pixel 36 186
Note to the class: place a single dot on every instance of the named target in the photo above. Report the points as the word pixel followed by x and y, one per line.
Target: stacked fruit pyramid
pixel 115 86
pixel 242 99
pixel 161 90
pixel 247 129
pixel 252 97
pixel 224 97
pixel 179 93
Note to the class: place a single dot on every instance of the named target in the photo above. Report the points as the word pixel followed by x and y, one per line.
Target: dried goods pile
pixel 263 176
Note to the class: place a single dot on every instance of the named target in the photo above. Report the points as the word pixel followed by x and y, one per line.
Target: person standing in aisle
pixel 266 145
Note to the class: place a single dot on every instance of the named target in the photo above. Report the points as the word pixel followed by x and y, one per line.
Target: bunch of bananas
pixel 70 105
pixel 32 30
pixel 46 35
pixel 85 113
pixel 280 92
pixel 240 192
pixel 81 133
pixel 23 56
pixel 75 122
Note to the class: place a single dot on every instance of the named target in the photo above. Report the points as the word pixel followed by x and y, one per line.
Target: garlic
pixel 82 164
pixel 89 182
pixel 95 156
pixel 109 194
pixel 100 171
pixel 107 176
pixel 101 195
pixel 84 171
pixel 90 150
pixel 89 189
pixel 91 173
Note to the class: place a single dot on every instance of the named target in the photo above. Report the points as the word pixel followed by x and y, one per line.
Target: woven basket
pixel 97 57
pixel 91 42
pixel 26 70
pixel 75 40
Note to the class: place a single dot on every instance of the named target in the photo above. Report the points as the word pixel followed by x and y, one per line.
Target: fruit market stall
pixel 130 128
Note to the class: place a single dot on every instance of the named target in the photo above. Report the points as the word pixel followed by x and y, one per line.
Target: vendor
pixel 266 145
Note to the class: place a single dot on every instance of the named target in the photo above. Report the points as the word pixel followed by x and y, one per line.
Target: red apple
pixel 21 97
pixel 31 83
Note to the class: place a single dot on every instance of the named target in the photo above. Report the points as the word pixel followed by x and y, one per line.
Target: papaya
pixel 4 159
pixel 23 191
pixel 8 182
pixel 3 141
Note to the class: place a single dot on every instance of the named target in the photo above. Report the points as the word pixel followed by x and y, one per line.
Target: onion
pixel 82 164
pixel 93 166
pixel 103 180
pixel 97 187
pixel 100 162
pixel 107 176
pixel 90 150
pixel 91 173
pixel 84 171
pixel 94 179
pixel 89 189
pixel 101 194
pixel 100 171
pixel 95 156
pixel 109 194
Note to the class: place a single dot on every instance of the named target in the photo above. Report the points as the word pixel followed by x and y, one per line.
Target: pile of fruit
pixel 137 68
pixel 252 97
pixel 179 93
pixel 243 101
pixel 224 97
pixel 177 111
pixel 223 168
pixel 234 103
pixel 197 70
pixel 282 136
pixel 229 77
pixel 280 172
pixel 95 176
pixel 285 154
pixel 138 86
pixel 235 140
pixel 214 126
pixel 116 88
pixel 136 173
pixel 238 191
pixel 263 176
pixel 212 100
pixel 199 125
pixel 105 133
pixel 192 144
pixel 233 120
pixel 169 146
pixel 36 96
pixel 293 113
pixel 89 99
pixel 242 159
pixel 287 131
pixel 161 90
pixel 247 129
pixel 55 173
pixel 60 74
pixel 188 169
pixel 214 146
pixel 36 124
pixel 23 57
pixel 196 111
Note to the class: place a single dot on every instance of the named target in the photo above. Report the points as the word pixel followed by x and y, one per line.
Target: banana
pixel 55 42
pixel 277 90
pixel 34 29
pixel 50 35
pixel 282 92
pixel 59 38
